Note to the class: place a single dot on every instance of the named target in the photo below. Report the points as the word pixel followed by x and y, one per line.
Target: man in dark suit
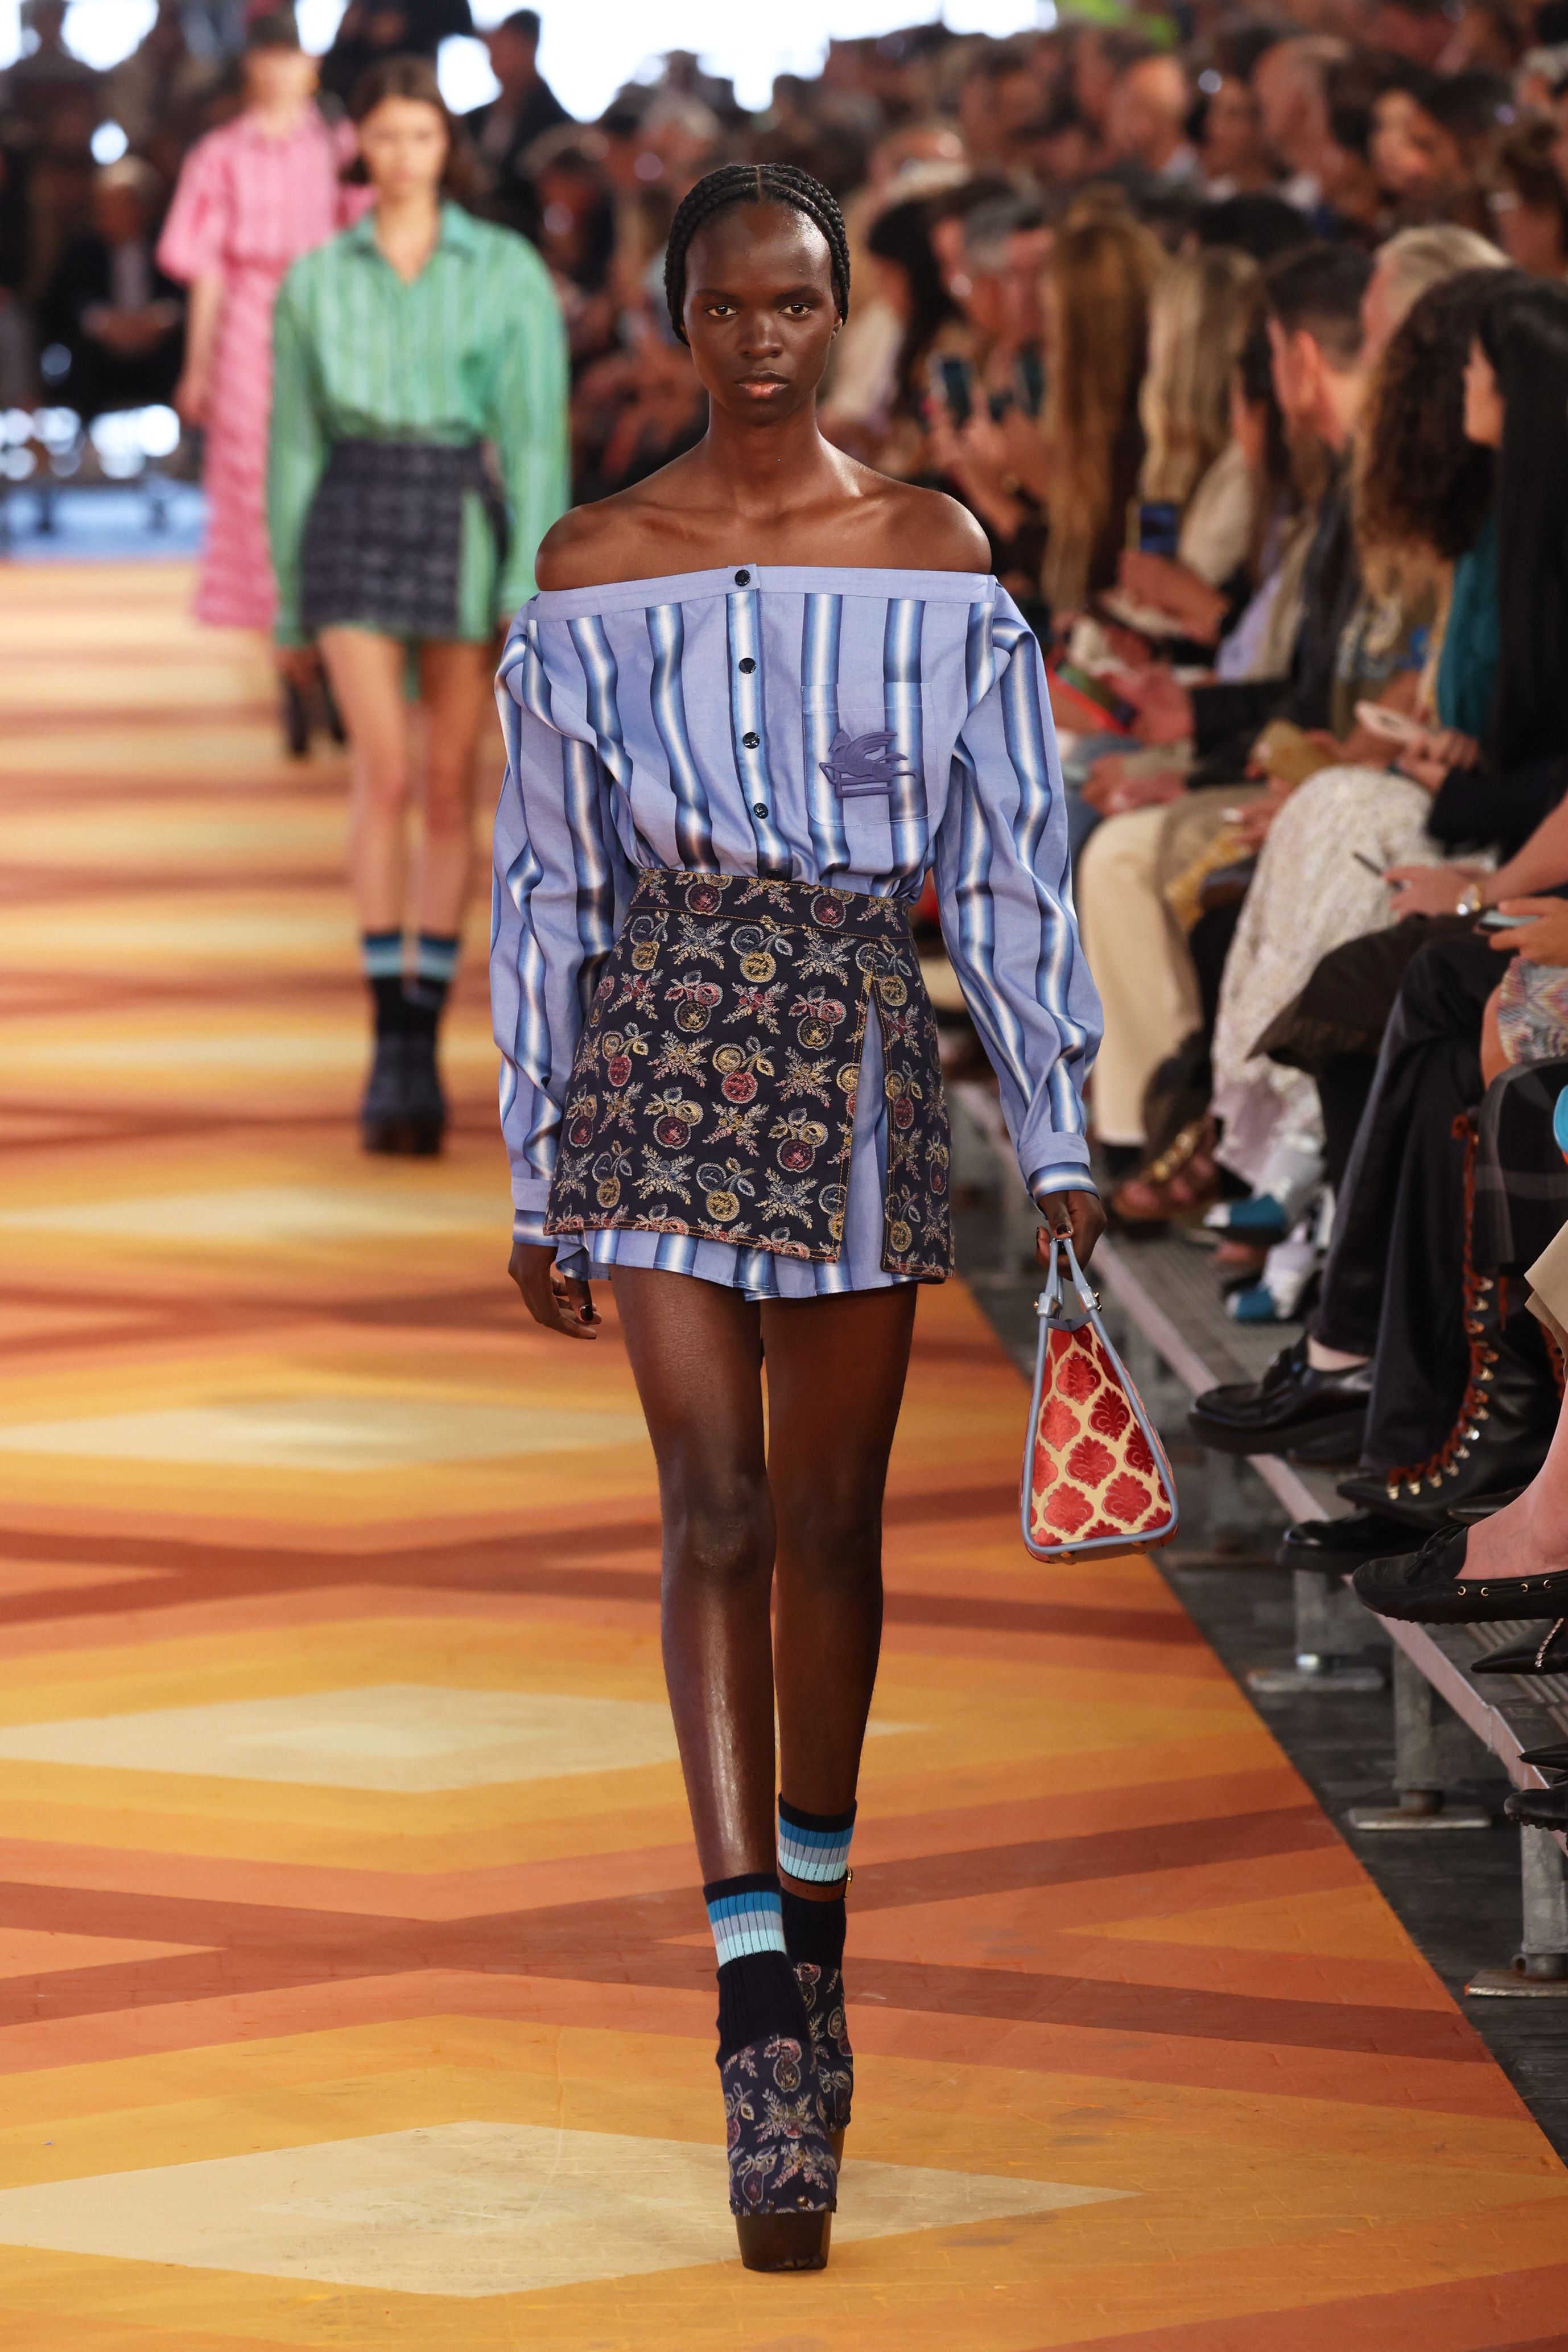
pixel 502 131
pixel 374 29
pixel 111 308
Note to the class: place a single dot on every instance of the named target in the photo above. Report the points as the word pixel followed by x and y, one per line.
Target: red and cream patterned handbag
pixel 1095 1473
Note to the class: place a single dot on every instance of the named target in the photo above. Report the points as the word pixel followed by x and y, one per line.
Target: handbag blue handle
pixel 1051 1306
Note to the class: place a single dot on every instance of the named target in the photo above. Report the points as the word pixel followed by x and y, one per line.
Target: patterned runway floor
pixel 355 1986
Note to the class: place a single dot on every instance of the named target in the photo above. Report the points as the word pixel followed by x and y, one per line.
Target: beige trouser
pixel 1136 948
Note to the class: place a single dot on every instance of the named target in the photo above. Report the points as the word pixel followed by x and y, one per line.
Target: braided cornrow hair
pixel 753 183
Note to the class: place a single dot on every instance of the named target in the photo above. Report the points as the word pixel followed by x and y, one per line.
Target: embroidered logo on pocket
pixel 860 764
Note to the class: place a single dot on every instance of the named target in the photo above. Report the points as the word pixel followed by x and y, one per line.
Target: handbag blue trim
pixel 1059 1311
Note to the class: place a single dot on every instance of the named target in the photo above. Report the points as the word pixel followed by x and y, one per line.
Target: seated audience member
pixel 111 307
pixel 502 131
pixel 1076 465
pixel 1233 154
pixel 1390 1348
pixel 1530 202
pixel 1150 151
pixel 1290 81
pixel 908 278
pixel 1513 1562
pixel 1311 889
pixel 1193 464
pixel 1141 874
pixel 1421 494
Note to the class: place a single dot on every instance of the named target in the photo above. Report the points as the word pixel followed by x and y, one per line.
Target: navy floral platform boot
pixel 822 1989
pixel 784 2175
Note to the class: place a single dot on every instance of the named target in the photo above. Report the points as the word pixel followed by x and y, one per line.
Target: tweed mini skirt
pixel 384 540
pixel 714 1085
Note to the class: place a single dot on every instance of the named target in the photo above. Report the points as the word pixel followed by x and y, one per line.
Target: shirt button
pixel 759 808
pixel 743 579
pixel 750 741
pixel 748 665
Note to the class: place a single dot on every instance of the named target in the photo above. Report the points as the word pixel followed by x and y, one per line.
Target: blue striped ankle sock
pixel 746 1916
pixel 435 967
pixel 381 957
pixel 758 1994
pixel 814 1847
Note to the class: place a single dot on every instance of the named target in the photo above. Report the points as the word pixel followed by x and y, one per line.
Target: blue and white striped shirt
pixel 710 721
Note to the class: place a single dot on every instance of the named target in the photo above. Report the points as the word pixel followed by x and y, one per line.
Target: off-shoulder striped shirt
pixel 700 722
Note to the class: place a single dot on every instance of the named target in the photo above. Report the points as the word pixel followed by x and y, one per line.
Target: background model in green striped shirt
pixel 473 350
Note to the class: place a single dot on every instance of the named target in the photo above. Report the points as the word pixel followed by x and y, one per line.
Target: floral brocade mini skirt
pixel 713 1091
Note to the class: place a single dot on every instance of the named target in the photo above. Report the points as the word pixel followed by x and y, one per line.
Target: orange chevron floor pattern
pixel 355 1986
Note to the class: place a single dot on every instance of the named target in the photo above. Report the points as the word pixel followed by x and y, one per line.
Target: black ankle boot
pixel 1504 1424
pixel 426 1103
pixel 384 1115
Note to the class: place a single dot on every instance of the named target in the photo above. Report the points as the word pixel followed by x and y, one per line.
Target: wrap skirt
pixel 714 1085
pixel 384 544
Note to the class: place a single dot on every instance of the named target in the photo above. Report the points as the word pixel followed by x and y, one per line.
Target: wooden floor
pixel 354 1986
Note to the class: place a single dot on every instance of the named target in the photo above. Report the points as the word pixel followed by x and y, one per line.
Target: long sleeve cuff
pixel 1066 1174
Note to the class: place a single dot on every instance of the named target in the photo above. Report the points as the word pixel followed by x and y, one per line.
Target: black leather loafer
pixel 1534 1653
pixel 1288 1405
pixel 1423 1587
pixel 1540 1809
pixel 1339 1545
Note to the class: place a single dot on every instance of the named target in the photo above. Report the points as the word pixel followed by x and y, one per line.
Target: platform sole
pixel 784 2242
pixel 388 1137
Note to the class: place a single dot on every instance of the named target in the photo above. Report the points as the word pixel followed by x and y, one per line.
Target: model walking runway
pixel 356 1989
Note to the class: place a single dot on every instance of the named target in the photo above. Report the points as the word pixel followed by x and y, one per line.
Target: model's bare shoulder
pixel 583 550
pixel 932 532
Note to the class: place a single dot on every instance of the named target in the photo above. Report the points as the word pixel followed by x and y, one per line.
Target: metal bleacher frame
pixel 1171 1325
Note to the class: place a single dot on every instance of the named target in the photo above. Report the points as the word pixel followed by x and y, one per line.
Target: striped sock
pixel 435 965
pixel 814 1847
pixel 381 956
pixel 746 1916
pixel 758 1995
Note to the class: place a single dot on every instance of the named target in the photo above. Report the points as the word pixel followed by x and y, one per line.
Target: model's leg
pixel 696 1353
pixel 836 1379
pixel 455 687
pixel 836 1371
pixel 696 1356
pixel 455 691
pixel 366 672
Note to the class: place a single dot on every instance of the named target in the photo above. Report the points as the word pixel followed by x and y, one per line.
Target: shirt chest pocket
pixel 866 754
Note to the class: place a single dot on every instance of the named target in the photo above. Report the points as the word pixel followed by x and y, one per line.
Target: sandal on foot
pixel 783 2177
pixel 1179 1181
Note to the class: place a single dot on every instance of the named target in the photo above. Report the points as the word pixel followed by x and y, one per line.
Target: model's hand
pixel 1077 1214
pixel 300 664
pixel 190 398
pixel 558 1301
pixel 1544 938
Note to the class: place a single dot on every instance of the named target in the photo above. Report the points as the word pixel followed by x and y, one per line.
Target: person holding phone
pixel 731 768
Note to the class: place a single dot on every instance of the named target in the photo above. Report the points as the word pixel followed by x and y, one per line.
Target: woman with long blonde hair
pixel 1098 284
pixel 1198 318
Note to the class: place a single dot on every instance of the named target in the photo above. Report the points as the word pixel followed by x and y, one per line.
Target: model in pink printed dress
pixel 252 198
